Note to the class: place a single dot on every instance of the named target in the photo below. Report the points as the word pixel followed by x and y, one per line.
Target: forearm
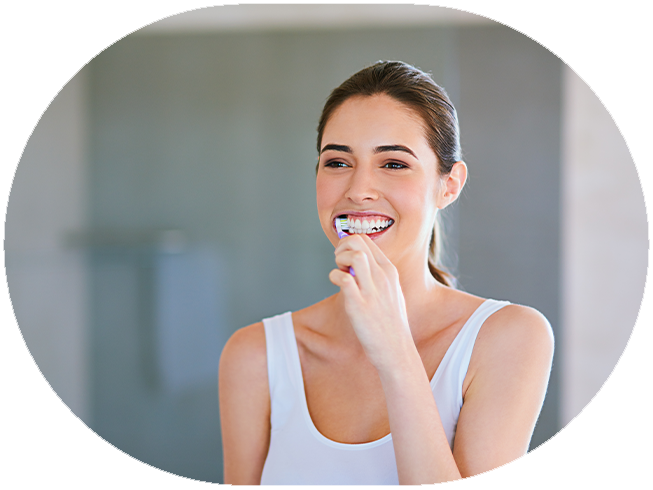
pixel 421 448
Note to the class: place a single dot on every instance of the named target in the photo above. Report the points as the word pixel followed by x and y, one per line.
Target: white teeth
pixel 358 226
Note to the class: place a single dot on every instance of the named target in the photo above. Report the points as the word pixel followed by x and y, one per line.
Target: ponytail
pixel 434 262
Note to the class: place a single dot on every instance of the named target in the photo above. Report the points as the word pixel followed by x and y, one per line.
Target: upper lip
pixel 361 214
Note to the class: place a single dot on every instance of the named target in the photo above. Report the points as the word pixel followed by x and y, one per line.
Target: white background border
pixel 44 43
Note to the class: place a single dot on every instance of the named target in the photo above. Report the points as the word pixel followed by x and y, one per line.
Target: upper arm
pixel 244 405
pixel 509 372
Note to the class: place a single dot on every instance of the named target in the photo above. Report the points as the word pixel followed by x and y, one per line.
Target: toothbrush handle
pixel 351 271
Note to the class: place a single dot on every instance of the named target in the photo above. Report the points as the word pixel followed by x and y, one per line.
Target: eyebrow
pixel 378 149
pixel 344 148
pixel 381 149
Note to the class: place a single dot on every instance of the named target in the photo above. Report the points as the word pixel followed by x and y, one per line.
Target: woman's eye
pixel 395 165
pixel 335 164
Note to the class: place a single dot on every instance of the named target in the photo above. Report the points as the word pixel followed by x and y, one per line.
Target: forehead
pixel 371 106
pixel 375 118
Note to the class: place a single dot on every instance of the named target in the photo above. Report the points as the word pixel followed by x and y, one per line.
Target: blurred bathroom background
pixel 166 199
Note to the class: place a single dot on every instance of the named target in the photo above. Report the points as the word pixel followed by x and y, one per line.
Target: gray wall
pixel 48 278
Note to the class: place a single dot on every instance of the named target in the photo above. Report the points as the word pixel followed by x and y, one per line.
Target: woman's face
pixel 376 166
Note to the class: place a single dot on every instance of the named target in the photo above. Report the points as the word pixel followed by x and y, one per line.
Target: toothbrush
pixel 341 234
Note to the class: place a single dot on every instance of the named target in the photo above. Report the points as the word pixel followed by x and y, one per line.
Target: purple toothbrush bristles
pixel 341 235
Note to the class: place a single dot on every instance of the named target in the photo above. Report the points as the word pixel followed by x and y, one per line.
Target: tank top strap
pixel 284 370
pixel 459 354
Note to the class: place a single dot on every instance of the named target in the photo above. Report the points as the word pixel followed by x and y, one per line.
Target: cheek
pixel 326 195
pixel 414 200
pixel 417 205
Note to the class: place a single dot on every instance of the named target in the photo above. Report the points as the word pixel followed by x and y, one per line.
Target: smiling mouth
pixel 358 225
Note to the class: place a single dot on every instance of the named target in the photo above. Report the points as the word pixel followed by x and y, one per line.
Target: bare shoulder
pixel 515 337
pixel 513 326
pixel 244 355
pixel 244 405
pixel 517 326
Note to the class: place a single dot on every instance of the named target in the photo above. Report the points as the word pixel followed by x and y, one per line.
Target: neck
pixel 420 290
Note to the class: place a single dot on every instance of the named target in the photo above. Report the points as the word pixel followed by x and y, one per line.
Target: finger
pixel 346 283
pixel 359 261
pixel 375 251
pixel 352 243
pixel 362 243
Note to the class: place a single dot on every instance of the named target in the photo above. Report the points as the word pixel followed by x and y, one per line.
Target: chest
pixel 345 396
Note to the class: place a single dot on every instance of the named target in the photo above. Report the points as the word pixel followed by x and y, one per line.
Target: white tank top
pixel 300 454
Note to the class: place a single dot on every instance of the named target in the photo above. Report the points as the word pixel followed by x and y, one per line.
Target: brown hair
pixel 417 90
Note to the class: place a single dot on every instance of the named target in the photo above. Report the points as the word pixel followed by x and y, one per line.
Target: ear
pixel 452 184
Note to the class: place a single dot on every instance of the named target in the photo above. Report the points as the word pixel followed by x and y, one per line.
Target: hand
pixel 373 299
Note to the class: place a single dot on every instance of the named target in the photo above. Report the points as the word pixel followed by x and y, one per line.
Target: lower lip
pixel 373 236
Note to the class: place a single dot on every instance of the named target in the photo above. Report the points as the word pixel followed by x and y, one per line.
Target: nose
pixel 362 185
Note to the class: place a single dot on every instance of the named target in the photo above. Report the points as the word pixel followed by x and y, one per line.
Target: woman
pixel 399 377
